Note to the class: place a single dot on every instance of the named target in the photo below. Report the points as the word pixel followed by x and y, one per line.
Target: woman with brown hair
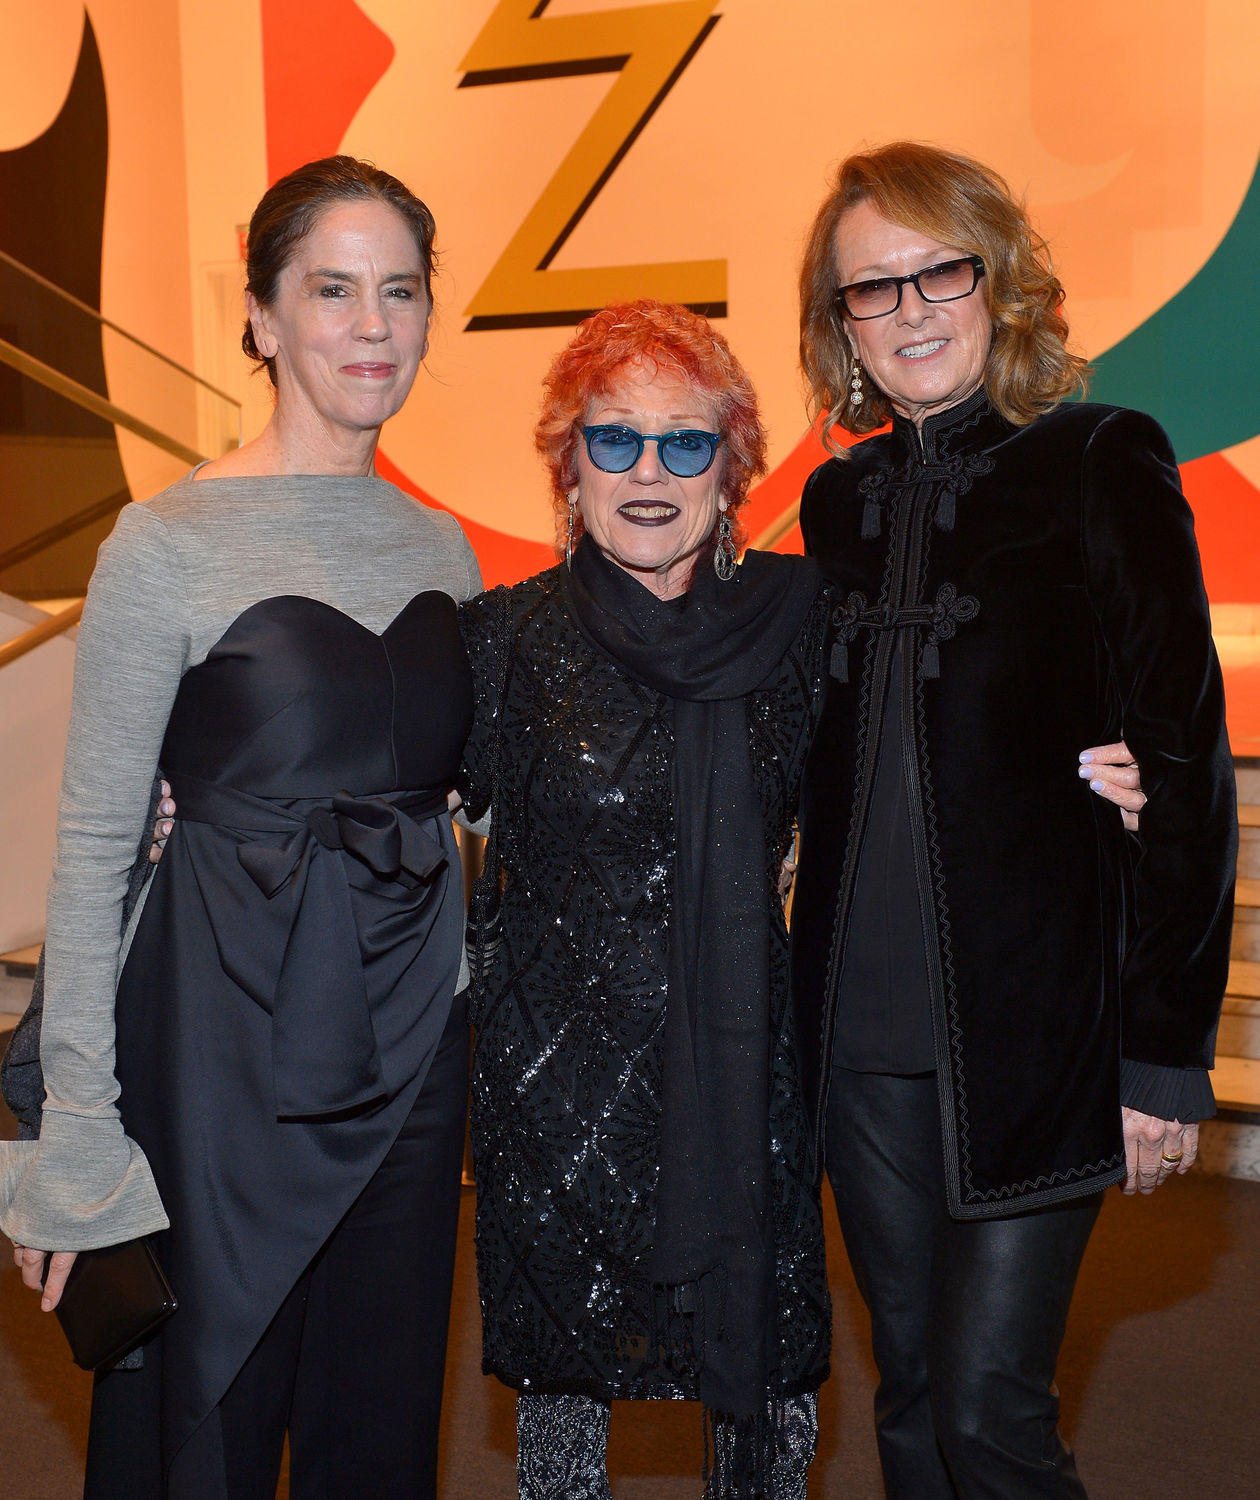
pixel 1003 1004
pixel 277 1067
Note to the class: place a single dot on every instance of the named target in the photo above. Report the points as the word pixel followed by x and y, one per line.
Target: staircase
pixel 1230 1144
pixel 1239 1036
pixel 90 418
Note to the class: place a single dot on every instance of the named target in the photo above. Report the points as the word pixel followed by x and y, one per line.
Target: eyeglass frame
pixel 978 269
pixel 714 440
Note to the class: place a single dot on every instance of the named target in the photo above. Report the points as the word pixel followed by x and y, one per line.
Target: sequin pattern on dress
pixel 562 1444
pixel 567 1068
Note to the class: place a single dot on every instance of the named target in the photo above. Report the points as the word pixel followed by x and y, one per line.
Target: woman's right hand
pixel 1115 776
pixel 31 1264
pixel 162 828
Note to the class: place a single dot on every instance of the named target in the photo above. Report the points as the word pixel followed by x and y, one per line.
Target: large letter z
pixel 648 47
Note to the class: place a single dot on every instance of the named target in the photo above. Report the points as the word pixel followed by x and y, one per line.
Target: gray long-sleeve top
pixel 174 574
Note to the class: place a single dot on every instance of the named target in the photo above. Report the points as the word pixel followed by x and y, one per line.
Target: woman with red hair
pixel 646 1225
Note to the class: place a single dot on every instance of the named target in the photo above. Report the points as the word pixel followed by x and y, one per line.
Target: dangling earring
pixel 855 385
pixel 568 546
pixel 725 556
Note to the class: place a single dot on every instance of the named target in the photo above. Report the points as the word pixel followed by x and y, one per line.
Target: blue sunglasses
pixel 685 453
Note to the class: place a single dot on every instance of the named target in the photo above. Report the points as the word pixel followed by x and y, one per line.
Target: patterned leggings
pixel 562 1443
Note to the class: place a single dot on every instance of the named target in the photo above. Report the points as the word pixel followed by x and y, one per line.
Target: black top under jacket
pixel 884 1005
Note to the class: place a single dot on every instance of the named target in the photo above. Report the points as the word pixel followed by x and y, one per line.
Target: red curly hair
pixel 665 339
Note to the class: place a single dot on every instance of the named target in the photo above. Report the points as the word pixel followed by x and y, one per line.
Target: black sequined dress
pixel 567 1071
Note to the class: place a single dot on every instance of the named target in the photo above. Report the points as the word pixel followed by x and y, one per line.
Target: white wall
pixel 34 713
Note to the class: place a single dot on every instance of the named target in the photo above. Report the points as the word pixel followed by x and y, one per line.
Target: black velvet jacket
pixel 1046 582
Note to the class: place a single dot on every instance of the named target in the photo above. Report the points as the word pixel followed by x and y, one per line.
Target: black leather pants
pixel 966 1316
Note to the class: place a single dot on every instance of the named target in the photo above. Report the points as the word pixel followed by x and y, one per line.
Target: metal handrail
pixel 58 533
pixel 105 322
pixel 46 630
pixel 82 395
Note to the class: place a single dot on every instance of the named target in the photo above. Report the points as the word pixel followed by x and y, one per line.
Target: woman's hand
pixel 166 819
pixel 162 828
pixel 1154 1149
pixel 787 870
pixel 31 1264
pixel 1115 776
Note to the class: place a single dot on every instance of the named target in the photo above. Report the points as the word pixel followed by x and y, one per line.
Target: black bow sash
pixel 324 1052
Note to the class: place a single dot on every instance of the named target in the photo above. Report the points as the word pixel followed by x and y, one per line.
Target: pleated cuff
pixel 80 1186
pixel 1183 1094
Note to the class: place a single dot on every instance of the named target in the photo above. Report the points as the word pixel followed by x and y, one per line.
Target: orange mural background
pixel 641 142
pixel 1103 121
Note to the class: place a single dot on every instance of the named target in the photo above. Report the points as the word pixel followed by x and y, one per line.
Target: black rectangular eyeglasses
pixel 946 282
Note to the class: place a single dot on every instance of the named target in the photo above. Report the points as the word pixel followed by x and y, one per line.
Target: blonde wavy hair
pixel 959 202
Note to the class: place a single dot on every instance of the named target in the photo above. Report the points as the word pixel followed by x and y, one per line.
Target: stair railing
pixel 71 300
pixel 44 374
pixel 54 625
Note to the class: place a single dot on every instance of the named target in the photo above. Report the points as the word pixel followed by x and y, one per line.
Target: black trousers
pixel 966 1316
pixel 352 1364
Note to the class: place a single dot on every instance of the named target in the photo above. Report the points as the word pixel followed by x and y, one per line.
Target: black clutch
pixel 113 1299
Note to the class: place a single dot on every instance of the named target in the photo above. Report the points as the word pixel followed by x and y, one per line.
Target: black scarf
pixel 713 1259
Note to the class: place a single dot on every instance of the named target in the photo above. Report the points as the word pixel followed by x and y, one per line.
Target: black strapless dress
pixel 294 965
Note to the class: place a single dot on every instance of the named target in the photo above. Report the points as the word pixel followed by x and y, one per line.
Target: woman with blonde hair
pixel 1003 1004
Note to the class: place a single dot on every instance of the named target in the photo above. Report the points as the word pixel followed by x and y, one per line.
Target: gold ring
pixel 1171 1160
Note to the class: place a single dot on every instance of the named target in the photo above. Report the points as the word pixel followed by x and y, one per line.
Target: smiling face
pixel 926 356
pixel 349 323
pixel 647 520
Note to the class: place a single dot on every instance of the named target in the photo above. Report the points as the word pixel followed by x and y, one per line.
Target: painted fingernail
pixel 1086 755
pixel 1096 786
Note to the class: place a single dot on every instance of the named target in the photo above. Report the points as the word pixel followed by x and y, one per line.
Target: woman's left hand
pixel 1115 776
pixel 162 828
pixel 1154 1149
pixel 43 1273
